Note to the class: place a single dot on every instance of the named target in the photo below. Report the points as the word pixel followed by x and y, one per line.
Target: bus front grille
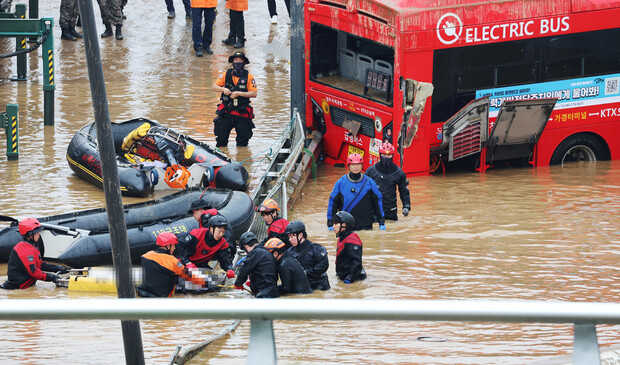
pixel 367 125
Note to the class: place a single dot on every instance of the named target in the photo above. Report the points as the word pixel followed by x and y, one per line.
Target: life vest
pixel 352 238
pixel 203 251
pixel 241 105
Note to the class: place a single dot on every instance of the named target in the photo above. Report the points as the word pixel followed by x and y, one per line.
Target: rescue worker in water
pixel 236 86
pixel 204 244
pixel 357 194
pixel 348 249
pixel 311 256
pixel 260 267
pixel 202 212
pixel 25 265
pixel 269 211
pixel 161 270
pixel 387 176
pixel 292 274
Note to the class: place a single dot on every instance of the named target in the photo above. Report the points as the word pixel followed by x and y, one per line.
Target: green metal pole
pixel 48 74
pixel 12 131
pixel 20 43
pixel 33 13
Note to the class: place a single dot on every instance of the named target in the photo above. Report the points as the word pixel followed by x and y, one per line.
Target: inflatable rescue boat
pixel 153 157
pixel 82 239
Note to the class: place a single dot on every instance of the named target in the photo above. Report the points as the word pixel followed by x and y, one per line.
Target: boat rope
pixel 190 353
pixel 30 49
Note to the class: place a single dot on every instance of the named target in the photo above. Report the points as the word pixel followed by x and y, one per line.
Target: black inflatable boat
pixel 82 239
pixel 153 157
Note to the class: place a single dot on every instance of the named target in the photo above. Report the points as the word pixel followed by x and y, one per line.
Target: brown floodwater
pixel 517 234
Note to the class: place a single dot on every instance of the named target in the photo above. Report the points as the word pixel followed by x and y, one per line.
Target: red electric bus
pixel 464 83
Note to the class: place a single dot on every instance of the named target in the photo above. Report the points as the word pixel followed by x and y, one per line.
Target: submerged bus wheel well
pixel 581 147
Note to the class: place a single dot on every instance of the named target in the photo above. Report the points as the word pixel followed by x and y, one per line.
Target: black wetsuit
pixel 292 276
pixel 313 258
pixel 387 178
pixel 349 257
pixel 260 266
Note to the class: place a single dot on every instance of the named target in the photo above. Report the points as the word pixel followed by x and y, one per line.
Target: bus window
pixel 342 60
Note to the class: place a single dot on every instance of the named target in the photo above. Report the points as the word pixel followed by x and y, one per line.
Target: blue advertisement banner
pixel 570 93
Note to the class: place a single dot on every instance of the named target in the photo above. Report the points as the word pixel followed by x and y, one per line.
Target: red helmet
pixel 166 238
pixel 386 149
pixel 29 225
pixel 269 205
pixel 354 158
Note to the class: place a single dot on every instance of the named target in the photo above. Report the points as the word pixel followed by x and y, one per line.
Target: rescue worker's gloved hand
pixel 63 270
pixel 347 281
pixel 330 228
pixel 405 211
pixel 230 274
pixel 190 265
pixel 382 227
pixel 52 277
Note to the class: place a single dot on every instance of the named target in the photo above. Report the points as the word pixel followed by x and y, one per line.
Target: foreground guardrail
pixel 262 312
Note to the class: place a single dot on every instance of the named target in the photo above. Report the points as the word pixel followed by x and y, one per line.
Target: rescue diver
pixel 292 274
pixel 276 224
pixel 387 176
pixel 202 212
pixel 204 244
pixel 25 265
pixel 236 86
pixel 311 256
pixel 357 194
pixel 161 270
pixel 349 249
pixel 260 267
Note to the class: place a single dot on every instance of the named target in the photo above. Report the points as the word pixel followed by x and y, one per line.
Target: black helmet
pixel 238 54
pixel 199 204
pixel 295 227
pixel 246 238
pixel 344 217
pixel 217 221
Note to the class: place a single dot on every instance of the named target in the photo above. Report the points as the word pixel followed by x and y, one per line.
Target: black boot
pixel 67 35
pixel 229 41
pixel 119 34
pixel 108 31
pixel 75 33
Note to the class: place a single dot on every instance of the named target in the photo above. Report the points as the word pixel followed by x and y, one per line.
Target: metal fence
pixel 261 313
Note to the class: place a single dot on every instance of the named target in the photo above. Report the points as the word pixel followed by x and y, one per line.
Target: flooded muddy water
pixel 548 234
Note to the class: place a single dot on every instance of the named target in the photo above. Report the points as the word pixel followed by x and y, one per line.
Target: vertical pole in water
pixel 298 66
pixel 33 13
pixel 48 74
pixel 132 338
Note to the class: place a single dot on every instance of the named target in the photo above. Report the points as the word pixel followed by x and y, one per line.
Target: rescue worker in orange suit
pixel 357 194
pixel 202 211
pixel 260 267
pixel 236 35
pixel 25 265
pixel 348 249
pixel 292 274
pixel 236 86
pixel 161 270
pixel 387 176
pixel 311 256
pixel 204 244
pixel 276 224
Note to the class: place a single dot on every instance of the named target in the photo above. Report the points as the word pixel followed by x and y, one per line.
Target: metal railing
pixel 261 313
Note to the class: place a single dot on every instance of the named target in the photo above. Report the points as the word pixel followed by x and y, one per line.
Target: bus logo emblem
pixel 449 28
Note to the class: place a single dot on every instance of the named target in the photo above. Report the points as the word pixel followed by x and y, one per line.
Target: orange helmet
pixel 166 238
pixel 354 158
pixel 274 244
pixel 386 149
pixel 29 225
pixel 269 205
